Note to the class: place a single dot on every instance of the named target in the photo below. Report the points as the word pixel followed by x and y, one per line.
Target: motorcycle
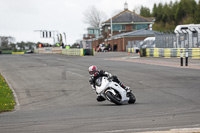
pixel 113 92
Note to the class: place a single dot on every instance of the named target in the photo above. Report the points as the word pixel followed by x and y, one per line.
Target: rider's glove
pixel 108 74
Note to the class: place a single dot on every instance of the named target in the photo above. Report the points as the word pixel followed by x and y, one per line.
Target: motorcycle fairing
pixel 109 86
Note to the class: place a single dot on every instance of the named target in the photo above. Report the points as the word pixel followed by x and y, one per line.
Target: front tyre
pixel 113 98
pixel 132 98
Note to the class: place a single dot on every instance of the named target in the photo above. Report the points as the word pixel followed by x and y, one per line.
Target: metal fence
pixel 165 40
pixel 179 40
pixel 169 40
pixel 86 44
pixel 134 44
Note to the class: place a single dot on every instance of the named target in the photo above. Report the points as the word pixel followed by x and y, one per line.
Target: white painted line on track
pixel 131 57
pixel 62 59
pixel 75 73
pixel 185 129
pixel 158 129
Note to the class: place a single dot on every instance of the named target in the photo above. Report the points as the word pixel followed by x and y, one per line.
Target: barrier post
pixel 181 57
pixel 129 50
pixel 81 52
pixel 94 51
pixel 186 57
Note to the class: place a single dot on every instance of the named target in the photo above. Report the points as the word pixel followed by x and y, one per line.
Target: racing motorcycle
pixel 113 92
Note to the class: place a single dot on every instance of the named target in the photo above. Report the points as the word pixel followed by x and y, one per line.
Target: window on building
pixel 96 31
pixel 90 31
pixel 123 27
pixel 139 26
pixel 134 27
pixel 106 28
pixel 117 27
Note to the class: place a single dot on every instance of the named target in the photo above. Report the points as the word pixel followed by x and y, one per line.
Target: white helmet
pixel 93 70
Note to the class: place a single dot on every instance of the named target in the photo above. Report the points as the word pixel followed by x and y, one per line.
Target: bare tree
pixel 94 17
pixel 5 41
pixel 136 9
pixel 116 12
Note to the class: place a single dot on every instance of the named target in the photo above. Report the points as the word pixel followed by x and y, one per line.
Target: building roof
pixel 141 32
pixel 128 16
pixel 94 28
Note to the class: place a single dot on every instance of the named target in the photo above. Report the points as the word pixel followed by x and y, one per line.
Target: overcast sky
pixel 19 18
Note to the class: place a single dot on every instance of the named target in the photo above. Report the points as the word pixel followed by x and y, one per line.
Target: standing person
pixel 103 47
pixel 100 47
pixel 106 47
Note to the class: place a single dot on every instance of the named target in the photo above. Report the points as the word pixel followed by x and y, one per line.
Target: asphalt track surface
pixel 54 95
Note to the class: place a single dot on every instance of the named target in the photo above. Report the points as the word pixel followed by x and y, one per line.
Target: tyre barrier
pixel 10 52
pixel 133 50
pixel 168 52
pixel 78 52
pixel 71 52
pixel 50 50
pixel 17 52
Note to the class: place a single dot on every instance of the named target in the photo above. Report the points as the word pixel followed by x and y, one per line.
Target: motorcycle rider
pixel 95 74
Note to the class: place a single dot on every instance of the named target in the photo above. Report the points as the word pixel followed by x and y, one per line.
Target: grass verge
pixel 7 102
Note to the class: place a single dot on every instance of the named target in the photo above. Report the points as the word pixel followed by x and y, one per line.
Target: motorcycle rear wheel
pixel 113 98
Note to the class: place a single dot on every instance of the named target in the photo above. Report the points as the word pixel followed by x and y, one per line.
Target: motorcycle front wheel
pixel 132 98
pixel 113 98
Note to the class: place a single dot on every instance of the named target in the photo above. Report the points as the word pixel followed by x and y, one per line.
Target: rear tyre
pixel 132 98
pixel 113 98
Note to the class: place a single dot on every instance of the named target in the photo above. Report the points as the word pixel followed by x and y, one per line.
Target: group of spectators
pixel 103 47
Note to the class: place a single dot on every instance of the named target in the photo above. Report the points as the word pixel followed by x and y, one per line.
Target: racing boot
pixel 100 99
pixel 125 87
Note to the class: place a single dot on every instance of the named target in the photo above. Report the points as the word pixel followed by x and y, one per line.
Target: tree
pixel 75 45
pixel 5 42
pixel 174 6
pixel 197 14
pixel 22 45
pixel 165 16
pixel 13 46
pixel 189 7
pixel 159 12
pixel 30 45
pixel 186 11
pixel 154 13
pixel 136 9
pixel 169 15
pixel 94 17
pixel 145 12
pixel 116 12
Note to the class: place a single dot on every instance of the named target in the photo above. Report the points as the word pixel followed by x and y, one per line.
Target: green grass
pixel 7 101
